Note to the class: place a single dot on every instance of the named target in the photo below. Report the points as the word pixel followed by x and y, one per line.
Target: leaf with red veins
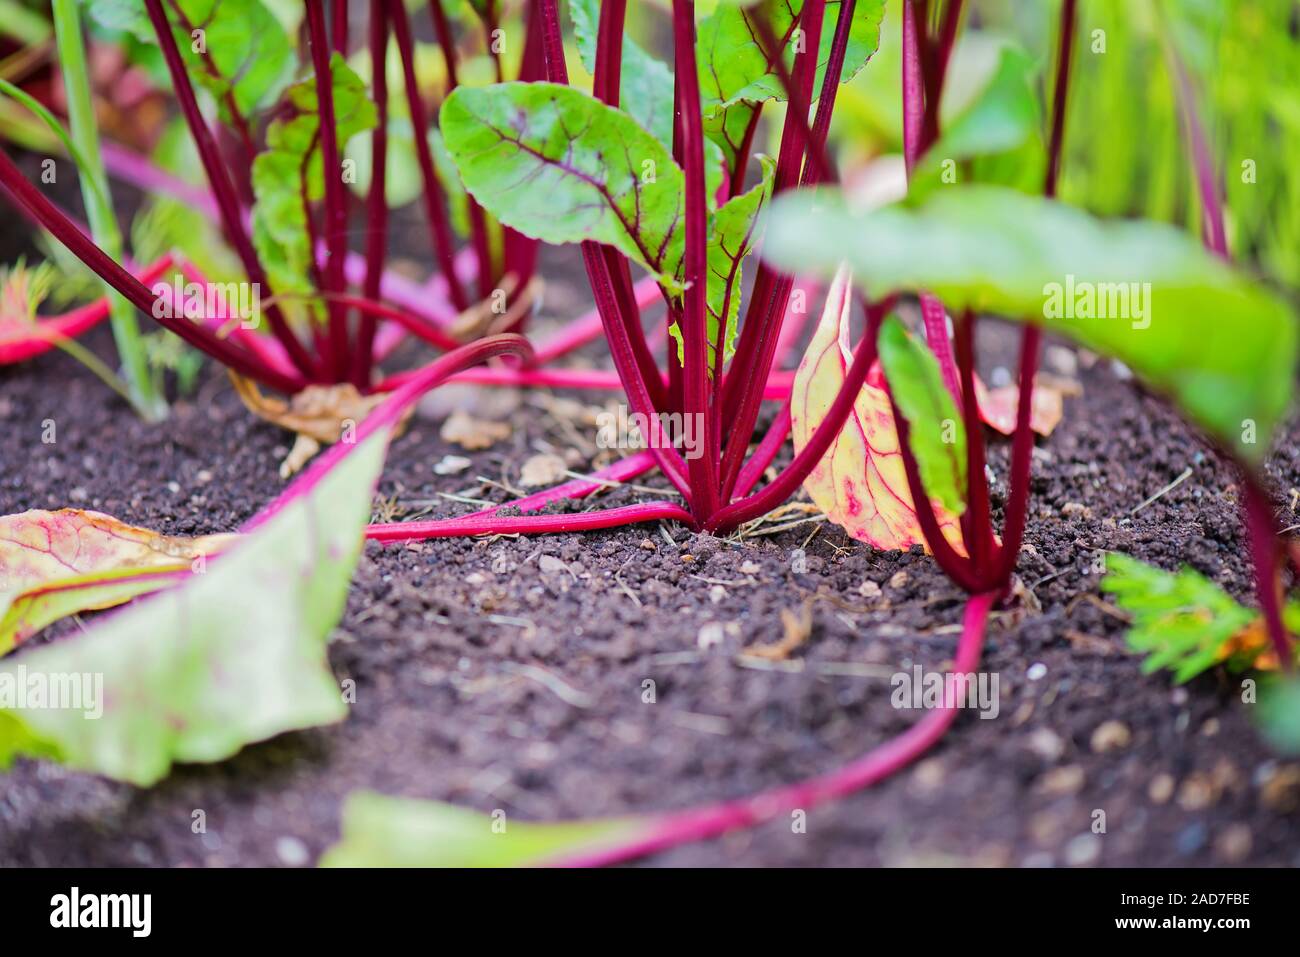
pixel 860 483
pixel 556 164
pixel 55 564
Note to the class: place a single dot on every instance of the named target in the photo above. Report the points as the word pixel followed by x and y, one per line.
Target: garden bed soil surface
pixel 511 672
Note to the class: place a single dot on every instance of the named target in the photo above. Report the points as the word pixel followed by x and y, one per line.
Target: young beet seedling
pixel 277 176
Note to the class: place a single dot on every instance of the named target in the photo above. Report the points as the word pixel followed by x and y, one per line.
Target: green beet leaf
pixel 291 168
pixel 233 655
pixel 998 130
pixel 733 66
pixel 558 165
pixel 734 233
pixel 1217 343
pixel 242 52
pixel 646 84
pixel 936 434
pixel 381 831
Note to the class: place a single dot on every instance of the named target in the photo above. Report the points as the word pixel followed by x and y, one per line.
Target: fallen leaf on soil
pixel 798 628
pixel 1047 405
pixel 55 564
pixel 542 469
pixel 231 656
pixel 473 434
pixel 318 415
pixel 860 482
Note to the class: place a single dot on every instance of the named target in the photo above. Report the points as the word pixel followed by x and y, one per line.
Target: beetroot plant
pixel 272 148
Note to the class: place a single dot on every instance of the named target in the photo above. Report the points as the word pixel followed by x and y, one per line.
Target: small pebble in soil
pixel 1280 791
pixel 1161 788
pixel 1083 850
pixel 291 851
pixel 550 565
pixel 1111 736
pixel 451 465
pixel 710 635
pixel 869 590
pixel 928 776
pixel 1233 845
pixel 1047 744
pixel 1037 671
pixel 1061 782
pixel 898 580
pixel 1190 839
pixel 1196 794
pixel 750 568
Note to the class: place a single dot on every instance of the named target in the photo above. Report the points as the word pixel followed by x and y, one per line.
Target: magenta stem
pixel 682 827
pixel 587 327
pixel 434 199
pixel 977 522
pixel 373 309
pixel 477 221
pixel 376 198
pixel 913 86
pixel 49 331
pixel 1060 96
pixel 33 204
pixel 222 187
pixel 538 524
pixel 1214 232
pixel 935 320
pixel 1262 533
pixel 703 469
pixel 618 325
pixel 1022 453
pixel 792 476
pixel 770 295
pixel 621 471
pixel 390 410
pixel 336 210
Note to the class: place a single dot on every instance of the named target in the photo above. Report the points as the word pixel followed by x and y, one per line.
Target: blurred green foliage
pixel 1125 153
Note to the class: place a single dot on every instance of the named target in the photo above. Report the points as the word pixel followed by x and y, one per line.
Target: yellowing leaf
pixel 860 483
pixel 54 564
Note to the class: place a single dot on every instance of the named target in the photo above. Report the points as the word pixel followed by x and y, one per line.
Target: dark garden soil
pixel 509 673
